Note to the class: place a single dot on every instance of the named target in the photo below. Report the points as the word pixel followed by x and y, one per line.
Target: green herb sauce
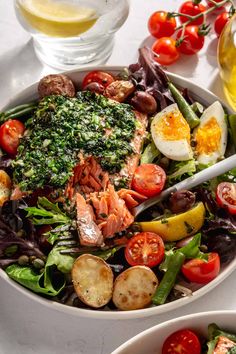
pixel 62 127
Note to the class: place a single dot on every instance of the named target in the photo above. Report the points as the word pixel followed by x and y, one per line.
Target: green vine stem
pixel 202 14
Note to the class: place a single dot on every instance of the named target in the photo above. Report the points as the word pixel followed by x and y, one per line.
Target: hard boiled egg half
pixel 171 134
pixel 211 135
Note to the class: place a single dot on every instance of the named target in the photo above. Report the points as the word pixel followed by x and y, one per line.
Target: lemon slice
pixel 57 19
pixel 177 226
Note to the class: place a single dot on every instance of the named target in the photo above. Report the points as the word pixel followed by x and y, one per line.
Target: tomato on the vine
pixel 183 341
pixel 218 9
pixel 10 133
pixel 145 248
pixel 100 77
pixel 226 196
pixel 192 40
pixel 189 8
pixel 166 51
pixel 161 25
pixel 220 22
pixel 149 179
pixel 201 271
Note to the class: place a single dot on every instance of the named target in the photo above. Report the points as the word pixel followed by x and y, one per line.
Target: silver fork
pixel 205 175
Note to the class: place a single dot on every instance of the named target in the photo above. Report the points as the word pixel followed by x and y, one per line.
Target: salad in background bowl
pixel 90 147
pixel 207 332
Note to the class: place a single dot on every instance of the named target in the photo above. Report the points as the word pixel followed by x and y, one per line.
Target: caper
pixel 20 233
pixel 144 102
pixel 32 258
pixel 38 263
pixel 23 260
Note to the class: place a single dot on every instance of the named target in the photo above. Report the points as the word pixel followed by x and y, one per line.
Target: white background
pixel 25 326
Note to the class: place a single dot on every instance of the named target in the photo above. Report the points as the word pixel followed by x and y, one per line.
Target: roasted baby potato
pixel 93 280
pixel 134 288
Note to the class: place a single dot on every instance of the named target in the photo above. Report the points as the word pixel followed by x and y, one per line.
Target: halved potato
pixel 5 187
pixel 134 288
pixel 93 280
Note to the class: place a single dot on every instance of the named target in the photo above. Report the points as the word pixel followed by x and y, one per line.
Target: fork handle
pixel 213 171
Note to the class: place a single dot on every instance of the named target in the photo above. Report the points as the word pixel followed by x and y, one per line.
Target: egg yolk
pixel 173 126
pixel 208 137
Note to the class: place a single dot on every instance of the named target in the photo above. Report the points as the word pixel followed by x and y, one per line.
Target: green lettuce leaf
pixel 181 170
pixel 47 213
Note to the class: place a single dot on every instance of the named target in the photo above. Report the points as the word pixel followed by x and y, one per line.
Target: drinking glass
pixel 70 33
pixel 227 61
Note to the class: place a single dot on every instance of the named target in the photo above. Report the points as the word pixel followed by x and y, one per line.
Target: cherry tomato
pixel 218 9
pixel 149 179
pixel 145 248
pixel 10 133
pixel 191 9
pixel 184 341
pixel 192 41
pixel 226 196
pixel 220 22
pixel 100 77
pixel 201 271
pixel 160 25
pixel 165 50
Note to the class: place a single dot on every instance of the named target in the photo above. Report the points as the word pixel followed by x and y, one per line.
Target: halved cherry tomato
pixel 191 9
pixel 220 22
pixel 149 179
pixel 160 25
pixel 165 50
pixel 10 133
pixel 100 77
pixel 226 196
pixel 145 248
pixel 184 341
pixel 201 271
pixel 192 41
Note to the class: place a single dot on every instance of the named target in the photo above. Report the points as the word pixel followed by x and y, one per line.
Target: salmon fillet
pixel 132 161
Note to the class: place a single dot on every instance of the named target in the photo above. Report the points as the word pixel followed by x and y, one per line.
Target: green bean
pixel 169 278
pixel 184 107
pixel 19 108
pixel 17 112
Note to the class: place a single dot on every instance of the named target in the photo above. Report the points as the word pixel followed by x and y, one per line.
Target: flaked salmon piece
pixel 111 212
pixel 89 232
pixel 87 178
pixel 131 198
pixel 103 206
pixel 223 345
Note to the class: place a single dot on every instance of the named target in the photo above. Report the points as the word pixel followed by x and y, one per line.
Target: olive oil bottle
pixel 227 61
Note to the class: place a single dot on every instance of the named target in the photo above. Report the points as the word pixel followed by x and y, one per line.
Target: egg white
pixel 179 149
pixel 216 111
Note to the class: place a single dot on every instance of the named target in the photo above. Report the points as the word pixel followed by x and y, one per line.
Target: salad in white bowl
pixel 199 333
pixel 75 163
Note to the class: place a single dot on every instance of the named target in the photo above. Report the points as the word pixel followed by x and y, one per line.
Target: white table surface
pixel 25 326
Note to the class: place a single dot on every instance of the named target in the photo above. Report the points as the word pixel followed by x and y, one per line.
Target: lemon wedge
pixel 57 19
pixel 178 226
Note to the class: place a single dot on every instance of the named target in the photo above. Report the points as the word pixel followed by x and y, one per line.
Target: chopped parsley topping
pixel 62 127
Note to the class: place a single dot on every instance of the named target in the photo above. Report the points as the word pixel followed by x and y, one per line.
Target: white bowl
pixel 199 94
pixel 151 340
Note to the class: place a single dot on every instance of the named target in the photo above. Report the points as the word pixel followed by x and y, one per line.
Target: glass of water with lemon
pixel 70 33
